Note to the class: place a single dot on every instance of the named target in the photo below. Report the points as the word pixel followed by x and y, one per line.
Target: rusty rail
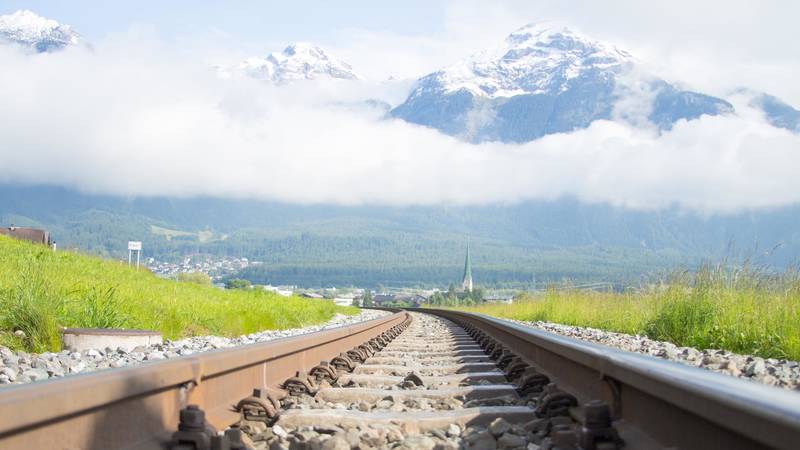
pixel 137 407
pixel 655 403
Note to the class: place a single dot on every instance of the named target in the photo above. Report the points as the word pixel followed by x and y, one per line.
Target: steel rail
pixel 138 407
pixel 656 403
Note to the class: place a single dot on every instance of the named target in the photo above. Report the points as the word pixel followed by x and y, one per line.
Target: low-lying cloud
pixel 140 120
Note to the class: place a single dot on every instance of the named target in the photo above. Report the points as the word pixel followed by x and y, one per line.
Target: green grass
pixel 740 310
pixel 42 291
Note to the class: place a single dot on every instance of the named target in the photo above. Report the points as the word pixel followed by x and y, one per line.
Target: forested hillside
pixel 519 245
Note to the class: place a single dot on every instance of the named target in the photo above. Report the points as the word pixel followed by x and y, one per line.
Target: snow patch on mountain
pixel 35 32
pixel 539 57
pixel 300 61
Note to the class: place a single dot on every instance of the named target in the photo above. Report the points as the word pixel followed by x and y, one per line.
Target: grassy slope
pixel 735 310
pixel 41 291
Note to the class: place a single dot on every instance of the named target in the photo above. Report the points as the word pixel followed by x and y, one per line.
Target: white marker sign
pixel 134 245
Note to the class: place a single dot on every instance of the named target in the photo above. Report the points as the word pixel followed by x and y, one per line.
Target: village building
pixel 34 235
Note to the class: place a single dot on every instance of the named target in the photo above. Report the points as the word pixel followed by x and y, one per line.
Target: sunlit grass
pixel 41 291
pixel 741 310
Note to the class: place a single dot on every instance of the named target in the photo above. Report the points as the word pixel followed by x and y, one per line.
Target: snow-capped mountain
pixel 544 79
pixel 535 59
pixel 28 29
pixel 300 61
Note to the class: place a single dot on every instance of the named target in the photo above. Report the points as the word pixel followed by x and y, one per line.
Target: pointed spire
pixel 466 284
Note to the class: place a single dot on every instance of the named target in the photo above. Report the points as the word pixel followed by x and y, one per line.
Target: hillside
pixel 513 245
pixel 41 291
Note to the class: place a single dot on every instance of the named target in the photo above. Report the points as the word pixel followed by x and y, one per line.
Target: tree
pixel 452 296
pixel 237 283
pixel 367 299
pixel 356 302
pixel 437 299
pixel 477 294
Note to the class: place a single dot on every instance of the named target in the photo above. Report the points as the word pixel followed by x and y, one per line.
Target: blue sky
pixel 248 20
pixel 711 46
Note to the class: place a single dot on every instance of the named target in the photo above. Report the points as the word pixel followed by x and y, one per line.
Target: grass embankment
pixel 739 310
pixel 41 291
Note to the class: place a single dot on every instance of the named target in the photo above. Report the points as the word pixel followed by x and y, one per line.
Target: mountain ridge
pixel 298 61
pixel 543 79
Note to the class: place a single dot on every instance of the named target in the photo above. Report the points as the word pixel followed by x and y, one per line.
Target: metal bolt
pixel 597 414
pixel 234 436
pixel 192 418
pixel 563 437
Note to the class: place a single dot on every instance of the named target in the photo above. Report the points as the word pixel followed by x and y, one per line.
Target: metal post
pixel 138 254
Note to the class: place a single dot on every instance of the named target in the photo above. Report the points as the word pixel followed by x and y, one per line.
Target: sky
pixel 140 113
pixel 711 45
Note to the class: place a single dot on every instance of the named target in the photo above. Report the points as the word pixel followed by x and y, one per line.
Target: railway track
pixel 443 380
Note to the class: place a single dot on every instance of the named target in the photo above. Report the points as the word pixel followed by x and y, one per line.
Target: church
pixel 466 283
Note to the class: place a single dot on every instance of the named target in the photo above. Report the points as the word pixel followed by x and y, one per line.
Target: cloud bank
pixel 137 118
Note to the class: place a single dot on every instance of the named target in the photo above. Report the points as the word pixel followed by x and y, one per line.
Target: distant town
pixel 222 272
pixel 217 268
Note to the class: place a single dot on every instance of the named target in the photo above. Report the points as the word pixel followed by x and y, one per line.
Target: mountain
pixel 300 61
pixel 543 79
pixel 779 113
pixel 35 32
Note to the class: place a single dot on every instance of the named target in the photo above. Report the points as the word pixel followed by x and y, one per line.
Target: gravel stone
pixel 756 368
pixel 480 440
pixel 335 443
pixel 417 442
pixel 10 373
pixel 509 440
pixel 394 435
pixel 353 437
pixel 453 430
pixel 278 430
pixel 499 426
pixel 21 367
pixel 11 359
pixel 36 374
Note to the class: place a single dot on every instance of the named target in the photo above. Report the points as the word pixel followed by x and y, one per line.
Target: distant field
pixel 201 236
pixel 41 291
pixel 736 310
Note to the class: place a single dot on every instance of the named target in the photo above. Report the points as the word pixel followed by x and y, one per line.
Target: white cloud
pixel 138 118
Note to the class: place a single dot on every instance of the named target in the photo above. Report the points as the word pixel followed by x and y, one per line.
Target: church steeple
pixel 466 284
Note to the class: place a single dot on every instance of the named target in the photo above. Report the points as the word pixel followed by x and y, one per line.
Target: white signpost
pixel 137 247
